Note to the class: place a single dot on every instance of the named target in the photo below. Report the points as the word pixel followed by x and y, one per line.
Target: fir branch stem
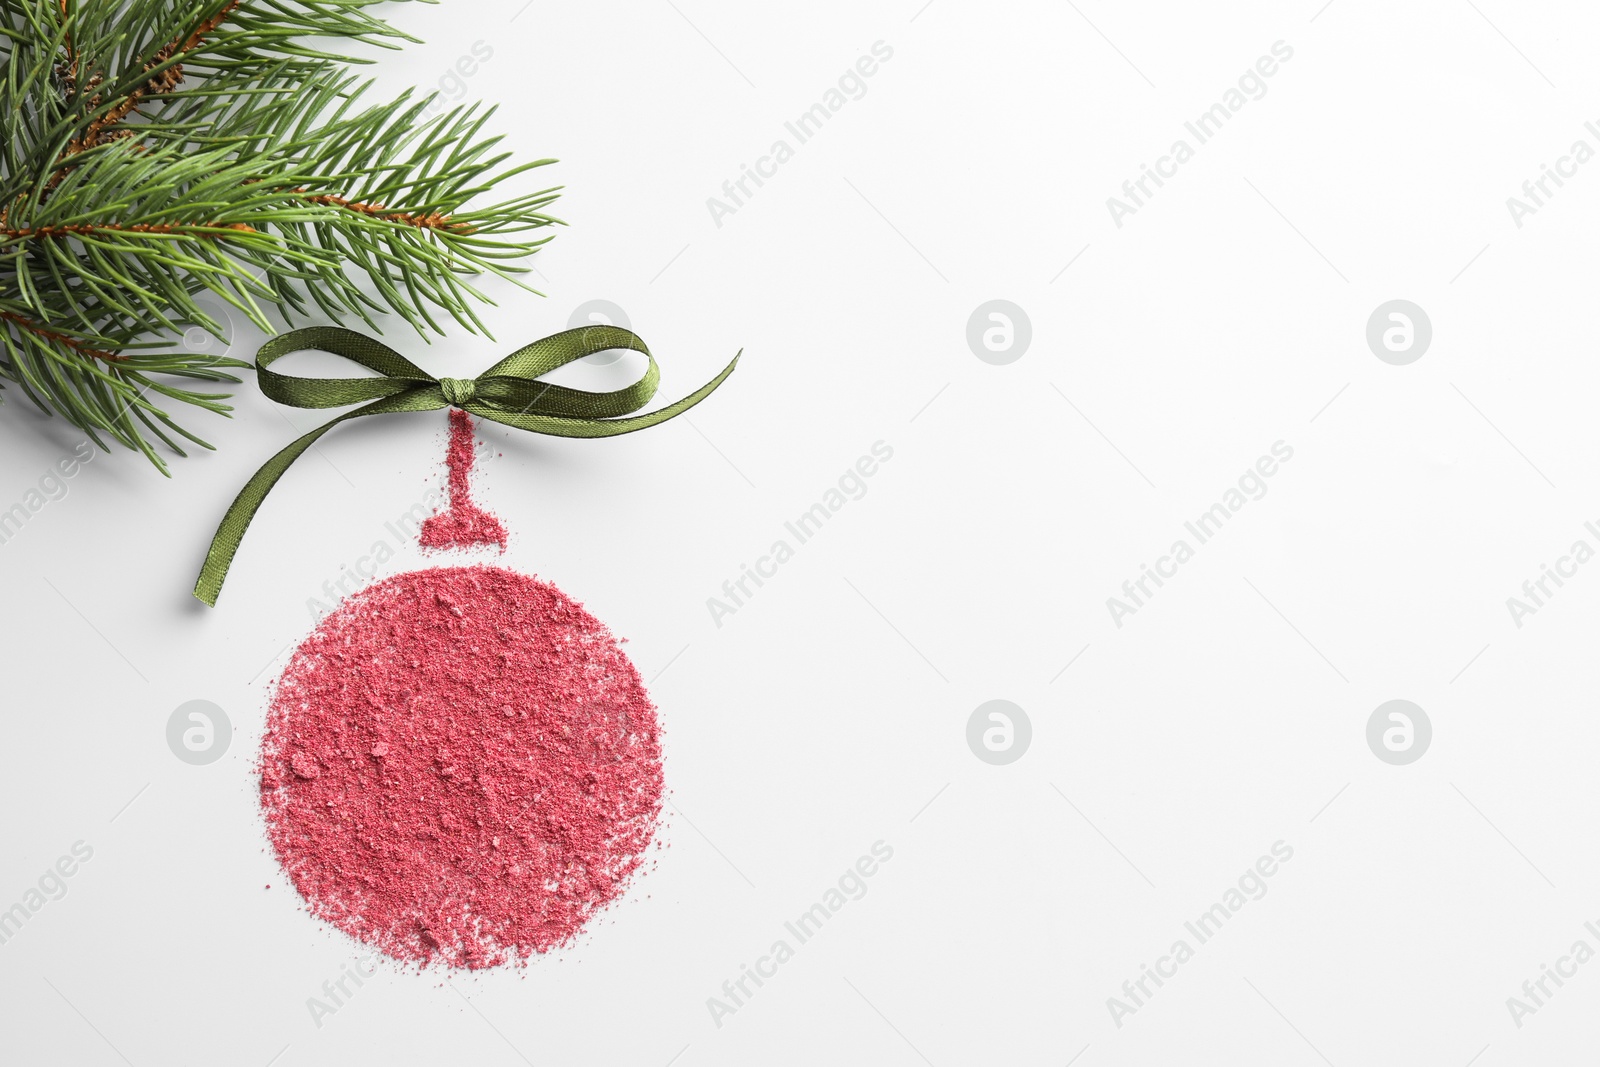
pixel 40 330
pixel 212 230
pixel 164 74
pixel 433 220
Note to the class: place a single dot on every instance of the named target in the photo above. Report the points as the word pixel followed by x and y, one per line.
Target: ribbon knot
pixel 508 393
pixel 457 391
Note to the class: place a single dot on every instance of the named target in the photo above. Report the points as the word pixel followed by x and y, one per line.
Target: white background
pixel 830 711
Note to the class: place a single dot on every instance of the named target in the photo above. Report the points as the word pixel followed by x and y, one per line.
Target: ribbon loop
pixel 508 393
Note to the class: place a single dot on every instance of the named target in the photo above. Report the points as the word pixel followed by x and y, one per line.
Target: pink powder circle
pixel 460 765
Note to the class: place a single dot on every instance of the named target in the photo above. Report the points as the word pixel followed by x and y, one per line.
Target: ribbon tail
pixel 230 532
pixel 677 408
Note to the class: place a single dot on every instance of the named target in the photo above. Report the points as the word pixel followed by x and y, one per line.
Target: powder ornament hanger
pixel 460 765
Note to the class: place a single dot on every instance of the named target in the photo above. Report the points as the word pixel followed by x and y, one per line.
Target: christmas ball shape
pixel 460 766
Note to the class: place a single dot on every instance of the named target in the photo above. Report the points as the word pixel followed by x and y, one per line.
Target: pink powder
pixel 460 765
pixel 463 524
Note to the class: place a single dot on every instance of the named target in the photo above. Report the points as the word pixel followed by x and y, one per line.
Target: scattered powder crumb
pixel 460 766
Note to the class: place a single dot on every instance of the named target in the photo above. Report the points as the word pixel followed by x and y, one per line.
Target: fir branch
pixel 159 151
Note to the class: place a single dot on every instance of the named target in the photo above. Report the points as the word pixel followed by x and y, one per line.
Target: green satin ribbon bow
pixel 507 392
